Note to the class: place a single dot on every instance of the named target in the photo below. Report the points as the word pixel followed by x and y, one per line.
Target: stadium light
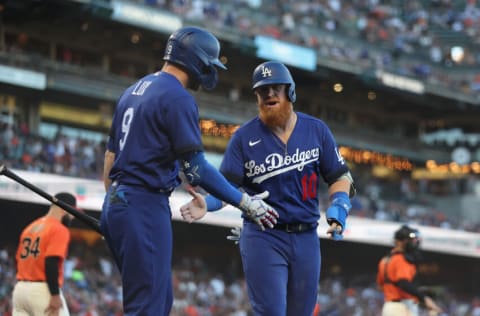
pixel 338 87
pixel 457 53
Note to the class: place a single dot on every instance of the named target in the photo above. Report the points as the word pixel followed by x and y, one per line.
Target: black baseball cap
pixel 67 198
pixel 406 232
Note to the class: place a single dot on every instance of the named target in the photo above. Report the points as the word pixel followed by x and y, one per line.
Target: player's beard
pixel 275 116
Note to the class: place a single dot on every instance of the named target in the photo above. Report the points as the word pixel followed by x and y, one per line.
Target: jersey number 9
pixel 126 122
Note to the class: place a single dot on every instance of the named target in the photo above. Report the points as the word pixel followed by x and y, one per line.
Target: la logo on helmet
pixel 266 72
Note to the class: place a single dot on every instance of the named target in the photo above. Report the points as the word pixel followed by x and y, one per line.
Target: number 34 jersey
pixel 257 160
pixel 44 237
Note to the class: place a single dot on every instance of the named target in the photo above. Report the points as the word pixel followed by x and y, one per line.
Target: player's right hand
pixel 258 210
pixel 195 209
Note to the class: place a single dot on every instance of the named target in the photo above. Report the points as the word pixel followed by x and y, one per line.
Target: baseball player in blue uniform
pixel 286 153
pixel 154 133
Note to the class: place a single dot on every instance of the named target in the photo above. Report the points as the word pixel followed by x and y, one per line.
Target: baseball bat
pixel 89 220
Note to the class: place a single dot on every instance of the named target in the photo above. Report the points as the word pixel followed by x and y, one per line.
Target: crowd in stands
pixel 93 288
pixel 399 200
pixel 411 37
pixel 414 38
pixel 60 155
pixel 406 200
pixel 433 41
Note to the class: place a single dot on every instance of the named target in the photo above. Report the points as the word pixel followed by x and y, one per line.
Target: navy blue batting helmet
pixel 273 72
pixel 196 51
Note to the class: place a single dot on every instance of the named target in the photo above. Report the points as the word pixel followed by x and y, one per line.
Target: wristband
pixel 213 204
pixel 338 209
pixel 341 199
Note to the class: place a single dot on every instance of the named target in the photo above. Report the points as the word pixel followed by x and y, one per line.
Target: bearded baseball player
pixel 396 273
pixel 286 153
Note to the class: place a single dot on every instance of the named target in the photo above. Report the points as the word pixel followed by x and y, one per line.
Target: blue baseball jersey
pixel 155 122
pixel 257 160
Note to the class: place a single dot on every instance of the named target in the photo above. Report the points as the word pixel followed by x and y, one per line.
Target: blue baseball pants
pixel 282 270
pixel 137 228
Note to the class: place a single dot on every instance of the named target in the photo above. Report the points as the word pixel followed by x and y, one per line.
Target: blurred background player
pixel 40 257
pixel 396 273
pixel 285 153
pixel 156 126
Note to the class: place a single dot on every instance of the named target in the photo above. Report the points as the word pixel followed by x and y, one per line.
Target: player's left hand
pixel 195 209
pixel 54 306
pixel 235 235
pixel 335 231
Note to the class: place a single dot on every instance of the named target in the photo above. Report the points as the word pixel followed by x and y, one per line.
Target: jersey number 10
pixel 309 186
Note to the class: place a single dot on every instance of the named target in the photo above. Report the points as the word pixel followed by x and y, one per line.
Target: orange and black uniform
pixel 45 237
pixel 40 259
pixel 392 269
pixel 396 274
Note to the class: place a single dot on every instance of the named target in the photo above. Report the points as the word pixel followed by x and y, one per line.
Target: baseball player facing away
pixel 285 153
pixel 40 257
pixel 396 273
pixel 155 129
